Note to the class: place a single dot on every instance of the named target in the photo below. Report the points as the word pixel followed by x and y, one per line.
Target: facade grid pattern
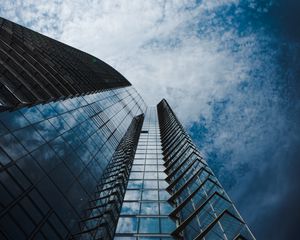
pixel 37 69
pixel 82 157
pixel 52 157
pixel 201 207
pixel 145 210
pixel 102 214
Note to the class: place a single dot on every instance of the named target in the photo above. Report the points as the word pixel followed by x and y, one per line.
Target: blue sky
pixel 229 68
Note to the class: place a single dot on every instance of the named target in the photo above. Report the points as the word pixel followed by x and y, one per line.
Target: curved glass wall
pixel 52 157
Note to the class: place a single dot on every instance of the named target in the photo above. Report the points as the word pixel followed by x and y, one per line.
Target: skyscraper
pixel 83 157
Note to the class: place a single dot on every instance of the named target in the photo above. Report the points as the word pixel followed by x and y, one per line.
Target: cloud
pixel 227 67
pixel 152 44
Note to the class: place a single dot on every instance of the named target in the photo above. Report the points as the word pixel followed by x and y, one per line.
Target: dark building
pixel 37 69
pixel 83 157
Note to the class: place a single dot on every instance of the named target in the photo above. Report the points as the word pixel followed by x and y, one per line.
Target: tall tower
pixel 83 157
pixel 63 115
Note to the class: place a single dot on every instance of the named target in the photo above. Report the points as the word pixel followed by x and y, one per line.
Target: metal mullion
pixel 16 200
pixel 170 127
pixel 175 151
pixel 183 161
pixel 170 146
pixel 167 123
pixel 171 185
pixel 177 193
pixel 174 164
pixel 173 131
pixel 212 224
pixel 41 224
pixel 96 206
pixel 33 69
pixel 183 225
pixel 177 158
pixel 168 159
pixel 183 204
pixel 167 128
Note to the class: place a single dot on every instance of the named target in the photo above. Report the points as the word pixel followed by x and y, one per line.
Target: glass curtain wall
pixel 52 156
pixel 145 210
pixel 101 217
pixel 201 206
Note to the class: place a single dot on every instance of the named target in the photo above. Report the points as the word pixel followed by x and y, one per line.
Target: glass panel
pixel 149 225
pixel 132 195
pixel 135 184
pixel 150 195
pixel 149 208
pixel 29 137
pixel 150 184
pixel 167 225
pixel 11 146
pixel 164 195
pixel 127 225
pixel 32 114
pixel 165 208
pixel 130 208
pixel 13 120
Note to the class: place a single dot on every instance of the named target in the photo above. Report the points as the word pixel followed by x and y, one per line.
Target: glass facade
pixel 52 157
pixel 82 157
pixel 202 209
pixel 103 211
pixel 35 69
pixel 145 210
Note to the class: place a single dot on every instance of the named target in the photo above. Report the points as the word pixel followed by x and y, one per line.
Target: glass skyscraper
pixel 83 157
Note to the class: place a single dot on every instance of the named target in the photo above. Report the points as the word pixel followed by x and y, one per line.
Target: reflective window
pixel 12 146
pixel 130 208
pixel 132 184
pixel 149 225
pixel 150 184
pixel 61 148
pixel 149 208
pixel 145 195
pixel 132 195
pixel 165 208
pixel 150 195
pixel 127 225
pixel 167 225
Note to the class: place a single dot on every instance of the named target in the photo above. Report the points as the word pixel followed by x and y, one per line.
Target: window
pixel 135 184
pixel 127 225
pixel 132 195
pixel 150 195
pixel 165 208
pixel 130 208
pixel 150 184
pixel 149 208
pixel 149 225
pixel 167 225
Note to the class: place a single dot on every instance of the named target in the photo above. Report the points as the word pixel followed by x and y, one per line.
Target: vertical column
pixel 145 210
pixel 103 211
pixel 202 208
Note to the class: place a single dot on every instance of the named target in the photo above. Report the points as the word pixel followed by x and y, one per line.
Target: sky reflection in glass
pixel 145 204
pixel 59 150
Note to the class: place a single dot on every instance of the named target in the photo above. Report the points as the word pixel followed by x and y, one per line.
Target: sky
pixel 230 69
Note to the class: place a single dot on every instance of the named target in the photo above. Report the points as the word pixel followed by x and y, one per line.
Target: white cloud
pixel 192 55
pixel 135 36
pixel 178 50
